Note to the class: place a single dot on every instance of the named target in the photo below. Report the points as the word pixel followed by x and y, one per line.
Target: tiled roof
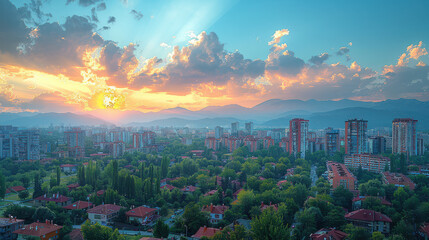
pixel 105 209
pixel 398 179
pixel 76 234
pixel 168 186
pixel 68 165
pixel 140 211
pixel 425 229
pixel 367 216
pixel 330 233
pixel 53 198
pixel 205 232
pixel 362 198
pixel 78 205
pixel 16 189
pixel 189 189
pixel 9 221
pixel 38 229
pixel 216 209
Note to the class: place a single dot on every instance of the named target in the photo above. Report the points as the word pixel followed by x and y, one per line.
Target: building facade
pixel 404 136
pixel 298 140
pixel 369 162
pixel 339 175
pixel 356 136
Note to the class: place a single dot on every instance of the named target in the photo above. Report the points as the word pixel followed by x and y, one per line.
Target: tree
pixel 37 186
pixel 377 236
pixel 23 195
pixel 193 218
pixel 52 181
pixel 98 232
pixel 404 229
pixel 115 176
pixel 2 185
pixel 164 166
pixel 269 226
pixel 43 213
pixel 161 230
pixel 58 176
pixel 342 197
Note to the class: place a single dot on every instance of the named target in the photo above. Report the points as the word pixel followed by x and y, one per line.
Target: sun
pixel 107 99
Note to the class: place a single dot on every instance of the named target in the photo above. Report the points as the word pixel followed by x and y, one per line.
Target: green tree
pixel 164 166
pixel 58 176
pixel 342 197
pixel 193 218
pixel 404 229
pixel 115 176
pixel 52 181
pixel 161 230
pixel 23 195
pixel 269 226
pixel 2 185
pixel 43 213
pixel 37 186
pixel 377 236
pixel 81 175
pixel 98 232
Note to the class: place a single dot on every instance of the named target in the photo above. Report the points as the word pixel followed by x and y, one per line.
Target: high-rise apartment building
pixel 298 141
pixel 75 141
pixel 249 128
pixel 218 132
pixel 28 145
pixel 356 136
pixel 234 129
pixel 332 142
pixel 404 136
pixel 143 139
pixel 376 145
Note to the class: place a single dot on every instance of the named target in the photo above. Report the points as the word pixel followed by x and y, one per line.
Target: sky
pixel 90 55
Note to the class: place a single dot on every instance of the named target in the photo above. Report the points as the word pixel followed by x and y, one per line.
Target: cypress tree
pixel 2 185
pixel 58 176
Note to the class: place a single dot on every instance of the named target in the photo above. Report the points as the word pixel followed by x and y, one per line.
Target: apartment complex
pixel 369 162
pixel 298 139
pixel 19 144
pixel 398 179
pixel 356 136
pixel 339 175
pixel 75 142
pixel 404 136
pixel 332 142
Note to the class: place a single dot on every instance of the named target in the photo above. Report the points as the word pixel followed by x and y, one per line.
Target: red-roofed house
pixel 58 199
pixel 265 206
pixel 79 205
pixel 73 186
pixel 197 153
pixel 398 179
pixel 68 168
pixel 370 219
pixel 235 195
pixel 210 193
pixel 357 201
pixel 328 234
pixel 44 231
pixel 280 183
pixel 189 189
pixel 103 214
pixel 143 215
pixel 76 234
pixel 424 231
pixel 205 232
pixel 216 212
pixel 15 189
pixel 168 186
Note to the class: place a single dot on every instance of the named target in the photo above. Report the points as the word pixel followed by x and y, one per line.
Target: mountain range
pixel 271 113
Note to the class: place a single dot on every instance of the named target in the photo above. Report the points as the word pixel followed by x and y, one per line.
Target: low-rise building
pixel 369 219
pixel 58 199
pixel 398 179
pixel 423 231
pixel 8 226
pixel 68 168
pixel 369 162
pixel 44 231
pixel 328 234
pixel 205 232
pixel 79 205
pixel 216 212
pixel 103 214
pixel 357 201
pixel 339 175
pixel 143 215
pixel 15 189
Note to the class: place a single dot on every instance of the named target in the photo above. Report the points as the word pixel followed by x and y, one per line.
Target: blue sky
pixel 194 53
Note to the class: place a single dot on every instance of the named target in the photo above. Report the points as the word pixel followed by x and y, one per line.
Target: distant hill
pixel 46 119
pixel 180 122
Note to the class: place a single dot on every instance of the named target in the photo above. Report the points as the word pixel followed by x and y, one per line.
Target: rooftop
pixel 398 179
pixel 54 198
pixel 206 232
pixel 140 211
pixel 9 221
pixel 78 205
pixel 38 229
pixel 367 216
pixel 105 209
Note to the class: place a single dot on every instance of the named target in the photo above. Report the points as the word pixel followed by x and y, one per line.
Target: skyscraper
pixel 332 142
pixel 218 132
pixel 234 129
pixel 404 137
pixel 28 145
pixel 249 128
pixel 356 136
pixel 298 142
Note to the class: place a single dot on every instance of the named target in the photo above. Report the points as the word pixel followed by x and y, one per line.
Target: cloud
pixel 342 51
pixel 319 59
pixel 164 45
pixel 137 15
pixel 405 81
pixel 13 30
pixel 112 20
pixel 101 6
pixel 84 3
pixel 278 35
pixel 416 51
pixel 94 15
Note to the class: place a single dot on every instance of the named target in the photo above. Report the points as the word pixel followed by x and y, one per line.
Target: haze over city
pixel 215 119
